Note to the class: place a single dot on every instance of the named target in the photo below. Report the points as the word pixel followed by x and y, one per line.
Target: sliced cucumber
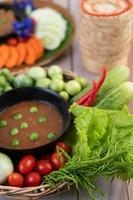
pixel 53 29
pixel 50 28
pixel 52 21
pixel 50 40
pixel 46 14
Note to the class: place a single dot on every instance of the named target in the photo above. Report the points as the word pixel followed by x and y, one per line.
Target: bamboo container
pixel 105 38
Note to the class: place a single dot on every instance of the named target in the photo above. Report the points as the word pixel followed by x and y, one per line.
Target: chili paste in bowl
pixel 31 119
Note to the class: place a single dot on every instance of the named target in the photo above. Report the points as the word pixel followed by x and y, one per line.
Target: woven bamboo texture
pixel 42 191
pixel 105 40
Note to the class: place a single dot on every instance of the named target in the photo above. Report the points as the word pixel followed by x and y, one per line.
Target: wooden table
pixel 71 60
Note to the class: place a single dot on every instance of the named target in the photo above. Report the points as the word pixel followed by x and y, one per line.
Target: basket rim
pixel 34 192
pixel 129 6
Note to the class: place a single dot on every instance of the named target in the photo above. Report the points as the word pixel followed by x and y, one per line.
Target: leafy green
pixel 117 97
pixel 103 145
pixel 115 77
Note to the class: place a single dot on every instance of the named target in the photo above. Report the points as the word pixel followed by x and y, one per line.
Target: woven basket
pixel 42 191
pixel 105 40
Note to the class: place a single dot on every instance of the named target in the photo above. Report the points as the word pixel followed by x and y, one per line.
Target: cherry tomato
pixel 15 180
pixel 58 161
pixel 26 164
pixel 32 179
pixel 64 146
pixel 44 167
pixel 46 157
pixel 12 41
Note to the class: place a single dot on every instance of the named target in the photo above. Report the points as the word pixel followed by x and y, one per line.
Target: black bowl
pixel 44 95
pixel 19 13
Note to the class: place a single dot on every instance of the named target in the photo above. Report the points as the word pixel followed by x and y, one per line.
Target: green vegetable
pixel 6 72
pixel 18 116
pixel 117 97
pixel 8 75
pixel 22 81
pixel 65 95
pixel 57 77
pixel 57 85
pixel 8 88
pixel 53 70
pixel 73 87
pixel 114 78
pixel 3 81
pixel 93 120
pixel 34 136
pixel 10 78
pixel 36 73
pixel 42 119
pixel 51 136
pixel 24 125
pixel 14 131
pixel 102 145
pixel 43 82
pixel 3 123
pixel 33 109
pixel 83 82
pixel 15 143
pixel 6 167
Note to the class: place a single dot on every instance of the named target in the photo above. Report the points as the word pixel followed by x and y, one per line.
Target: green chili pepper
pixel 51 136
pixel 24 125
pixel 33 109
pixel 3 123
pixel 14 131
pixel 15 142
pixel 18 116
pixel 34 136
pixel 42 119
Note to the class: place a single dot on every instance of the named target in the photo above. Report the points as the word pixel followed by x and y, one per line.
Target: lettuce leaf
pixel 102 141
pixel 97 128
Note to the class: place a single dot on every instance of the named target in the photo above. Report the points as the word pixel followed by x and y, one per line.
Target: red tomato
pixel 46 157
pixel 26 164
pixel 44 167
pixel 58 161
pixel 12 41
pixel 15 180
pixel 64 146
pixel 32 179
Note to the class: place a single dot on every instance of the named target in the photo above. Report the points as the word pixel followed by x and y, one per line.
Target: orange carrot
pixel 21 48
pixel 13 59
pixel 4 55
pixel 35 45
pixel 40 46
pixel 30 54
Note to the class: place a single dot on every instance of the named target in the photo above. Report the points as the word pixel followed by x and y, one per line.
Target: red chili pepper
pixel 101 80
pixel 84 98
pixel 89 98
pixel 92 97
